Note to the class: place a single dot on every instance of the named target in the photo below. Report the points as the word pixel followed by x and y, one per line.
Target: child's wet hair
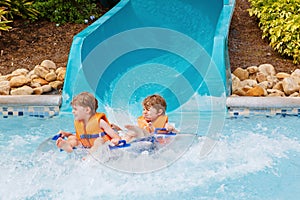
pixel 86 99
pixel 156 101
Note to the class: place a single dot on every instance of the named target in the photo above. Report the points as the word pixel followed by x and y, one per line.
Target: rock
pixel 37 81
pixel 21 71
pixel 61 69
pixel 278 86
pixel 61 75
pixel 49 64
pixel 282 75
pixel 265 85
pixel 295 94
pixel 290 85
pixel 41 71
pixel 41 81
pixel 241 91
pixel 275 93
pixel 272 80
pixel 38 90
pixel 252 69
pixel 9 76
pixel 46 88
pixel 252 76
pixel 34 76
pixel 51 76
pixel 24 90
pixel 56 85
pixel 3 78
pixel 19 81
pixel 248 82
pixel 267 69
pixel 35 85
pixel 296 73
pixel 236 83
pixel 31 75
pixel 260 77
pixel 4 87
pixel 242 74
pixel 256 91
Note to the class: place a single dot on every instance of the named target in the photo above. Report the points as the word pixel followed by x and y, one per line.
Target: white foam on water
pixel 56 175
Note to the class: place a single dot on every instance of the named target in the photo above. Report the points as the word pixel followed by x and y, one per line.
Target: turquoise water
pixel 251 158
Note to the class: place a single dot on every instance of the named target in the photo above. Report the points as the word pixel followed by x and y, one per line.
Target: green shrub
pixel 19 8
pixel 4 21
pixel 11 9
pixel 280 22
pixel 62 11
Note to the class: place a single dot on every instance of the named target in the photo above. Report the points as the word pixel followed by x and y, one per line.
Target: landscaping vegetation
pixel 58 11
pixel 280 22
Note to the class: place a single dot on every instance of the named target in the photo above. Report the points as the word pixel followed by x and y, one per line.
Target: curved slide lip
pixel 106 27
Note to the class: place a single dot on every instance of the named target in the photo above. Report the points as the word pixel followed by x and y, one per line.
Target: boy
pixel 153 116
pixel 90 126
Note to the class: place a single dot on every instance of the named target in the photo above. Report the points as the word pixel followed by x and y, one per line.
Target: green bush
pixel 4 21
pixel 62 11
pixel 19 8
pixel 280 22
pixel 11 9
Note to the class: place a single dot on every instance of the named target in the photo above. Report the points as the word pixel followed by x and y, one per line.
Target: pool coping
pixel 231 102
pixel 30 100
pixel 262 102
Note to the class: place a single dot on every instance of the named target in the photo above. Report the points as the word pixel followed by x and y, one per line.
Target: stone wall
pixel 44 78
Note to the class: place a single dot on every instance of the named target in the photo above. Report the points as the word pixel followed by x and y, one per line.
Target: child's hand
pixel 115 141
pixel 171 128
pixel 64 133
pixel 115 127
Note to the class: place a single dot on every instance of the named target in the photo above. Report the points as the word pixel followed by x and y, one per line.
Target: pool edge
pixel 263 102
pixel 49 105
pixel 31 100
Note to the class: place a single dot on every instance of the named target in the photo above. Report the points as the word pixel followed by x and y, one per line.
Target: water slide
pixel 176 48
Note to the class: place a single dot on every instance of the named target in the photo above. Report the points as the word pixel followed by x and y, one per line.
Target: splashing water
pixel 254 158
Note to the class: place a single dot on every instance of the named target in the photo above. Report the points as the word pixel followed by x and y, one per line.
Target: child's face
pixel 151 114
pixel 79 112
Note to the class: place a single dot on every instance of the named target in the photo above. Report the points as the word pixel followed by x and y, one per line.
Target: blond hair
pixel 86 99
pixel 156 101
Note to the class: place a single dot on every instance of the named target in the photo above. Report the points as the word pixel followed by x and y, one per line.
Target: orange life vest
pixel 160 122
pixel 88 135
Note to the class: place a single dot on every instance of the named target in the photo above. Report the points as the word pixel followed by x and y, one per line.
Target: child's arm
pixel 107 128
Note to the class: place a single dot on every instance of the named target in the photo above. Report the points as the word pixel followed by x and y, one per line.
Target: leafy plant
pixel 19 8
pixel 3 20
pixel 62 11
pixel 280 22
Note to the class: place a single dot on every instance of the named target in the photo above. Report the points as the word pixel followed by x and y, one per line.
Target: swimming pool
pixel 254 157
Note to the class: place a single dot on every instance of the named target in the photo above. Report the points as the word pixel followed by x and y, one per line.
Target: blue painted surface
pixel 177 48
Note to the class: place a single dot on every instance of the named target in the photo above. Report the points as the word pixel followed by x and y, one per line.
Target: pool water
pixel 256 157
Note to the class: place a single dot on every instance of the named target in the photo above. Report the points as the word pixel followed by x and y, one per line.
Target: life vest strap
pixel 102 134
pixel 89 136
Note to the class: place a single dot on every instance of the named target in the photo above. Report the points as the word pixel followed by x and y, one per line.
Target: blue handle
pixel 121 144
pixel 55 137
